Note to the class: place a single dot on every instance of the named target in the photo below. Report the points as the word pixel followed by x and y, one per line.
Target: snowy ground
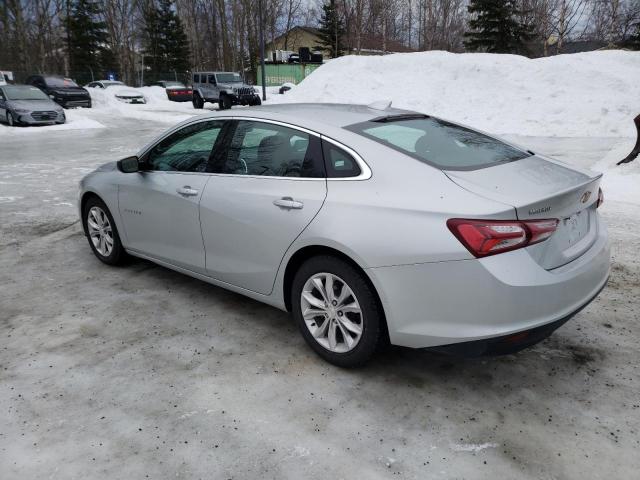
pixel 140 372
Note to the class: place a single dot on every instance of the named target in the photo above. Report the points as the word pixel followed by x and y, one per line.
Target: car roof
pixel 213 72
pixel 312 115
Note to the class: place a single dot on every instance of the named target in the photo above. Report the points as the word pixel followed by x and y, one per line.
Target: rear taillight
pixel 488 237
pixel 600 198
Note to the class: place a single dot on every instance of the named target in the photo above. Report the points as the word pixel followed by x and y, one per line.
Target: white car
pixel 120 91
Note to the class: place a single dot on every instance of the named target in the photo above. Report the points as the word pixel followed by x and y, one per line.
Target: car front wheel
pixel 11 121
pixel 102 233
pixel 337 311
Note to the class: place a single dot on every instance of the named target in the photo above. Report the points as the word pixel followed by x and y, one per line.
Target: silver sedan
pixel 27 105
pixel 371 225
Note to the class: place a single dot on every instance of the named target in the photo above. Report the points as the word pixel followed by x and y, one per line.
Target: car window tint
pixel 1 94
pixel 196 78
pixel 187 150
pixel 266 149
pixel 440 143
pixel 339 163
pixel 212 79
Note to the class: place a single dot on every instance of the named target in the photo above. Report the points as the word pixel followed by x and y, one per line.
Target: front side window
pixel 265 149
pixel 439 143
pixel 186 150
pixel 212 79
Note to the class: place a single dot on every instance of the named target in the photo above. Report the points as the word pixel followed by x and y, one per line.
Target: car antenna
pixel 380 105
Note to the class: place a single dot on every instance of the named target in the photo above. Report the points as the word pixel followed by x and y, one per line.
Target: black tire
pixel 256 101
pixel 373 336
pixel 11 121
pixel 197 101
pixel 224 103
pixel 117 255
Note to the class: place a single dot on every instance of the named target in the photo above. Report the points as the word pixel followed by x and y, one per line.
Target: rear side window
pixel 338 163
pixel 196 78
pixel 440 144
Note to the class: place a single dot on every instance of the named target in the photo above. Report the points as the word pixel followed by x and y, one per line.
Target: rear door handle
pixel 187 191
pixel 288 202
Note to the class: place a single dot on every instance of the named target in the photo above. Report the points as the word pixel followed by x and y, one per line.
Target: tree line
pixel 89 38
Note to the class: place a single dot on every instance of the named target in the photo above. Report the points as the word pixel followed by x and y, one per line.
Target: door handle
pixel 187 191
pixel 288 202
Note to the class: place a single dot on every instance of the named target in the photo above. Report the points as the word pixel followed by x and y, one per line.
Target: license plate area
pixel 575 227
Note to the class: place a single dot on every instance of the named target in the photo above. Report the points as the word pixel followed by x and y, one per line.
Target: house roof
pixel 368 43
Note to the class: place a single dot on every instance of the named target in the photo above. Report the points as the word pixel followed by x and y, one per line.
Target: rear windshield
pixel 438 143
pixel 60 82
pixel 19 92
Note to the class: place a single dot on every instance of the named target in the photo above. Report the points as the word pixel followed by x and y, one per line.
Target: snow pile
pixel 158 107
pixel 580 95
pixel 620 182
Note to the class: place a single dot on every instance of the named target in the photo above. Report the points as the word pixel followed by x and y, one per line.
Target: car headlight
pixel 52 96
pixel 21 110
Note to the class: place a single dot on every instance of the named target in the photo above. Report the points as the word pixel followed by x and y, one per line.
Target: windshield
pixel 173 84
pixel 228 77
pixel 112 84
pixel 59 82
pixel 438 143
pixel 15 92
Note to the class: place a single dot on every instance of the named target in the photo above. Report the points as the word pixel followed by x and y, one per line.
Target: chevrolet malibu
pixel 368 223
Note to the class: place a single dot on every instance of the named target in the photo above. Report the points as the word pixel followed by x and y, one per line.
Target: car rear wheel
pixel 102 233
pixel 197 101
pixel 337 311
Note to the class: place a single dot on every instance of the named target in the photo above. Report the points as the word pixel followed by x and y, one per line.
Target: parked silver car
pixel 370 226
pixel 27 105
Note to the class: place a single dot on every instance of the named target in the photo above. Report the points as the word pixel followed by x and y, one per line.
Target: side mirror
pixel 129 165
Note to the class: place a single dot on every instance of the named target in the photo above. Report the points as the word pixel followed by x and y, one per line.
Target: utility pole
pixel 260 20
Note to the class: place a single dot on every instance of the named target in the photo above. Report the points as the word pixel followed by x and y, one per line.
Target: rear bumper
pixel 445 303
pixel 508 344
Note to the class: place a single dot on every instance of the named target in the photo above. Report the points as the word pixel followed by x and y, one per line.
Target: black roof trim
pixel 399 117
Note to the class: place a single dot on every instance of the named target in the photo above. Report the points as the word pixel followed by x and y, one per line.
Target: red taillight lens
pixel 488 237
pixel 600 198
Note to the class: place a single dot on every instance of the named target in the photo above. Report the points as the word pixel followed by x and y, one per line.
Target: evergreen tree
pixel 634 41
pixel 331 31
pixel 494 27
pixel 87 37
pixel 166 45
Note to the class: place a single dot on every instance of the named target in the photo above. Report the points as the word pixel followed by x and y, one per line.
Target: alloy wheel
pixel 100 231
pixel 331 312
pixel 10 120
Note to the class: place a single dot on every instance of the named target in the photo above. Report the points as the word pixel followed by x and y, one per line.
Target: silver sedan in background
pixel 27 105
pixel 370 225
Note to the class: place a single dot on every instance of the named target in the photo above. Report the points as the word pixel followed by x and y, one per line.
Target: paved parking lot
pixel 140 372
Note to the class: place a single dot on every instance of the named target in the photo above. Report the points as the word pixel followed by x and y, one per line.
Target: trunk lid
pixel 540 188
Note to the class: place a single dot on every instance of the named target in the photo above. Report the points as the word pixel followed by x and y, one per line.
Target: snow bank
pixel 76 120
pixel 580 95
